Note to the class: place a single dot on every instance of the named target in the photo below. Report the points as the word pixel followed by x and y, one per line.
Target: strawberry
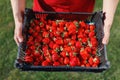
pixel 72 28
pixel 72 54
pixel 78 44
pixel 82 24
pixel 45 63
pixel 28 59
pixel 64 54
pixel 87 65
pixel 91 34
pixel 88 49
pixel 37 29
pixel 48 27
pixel 36 54
pixel 73 61
pixel 28 52
pixel 92 27
pixel 55 57
pixel 30 31
pixel 36 63
pixel 65 34
pixel 45 34
pixel 48 59
pixel 96 60
pixel 35 34
pixel 46 40
pixel 90 60
pixel 84 54
pixel 56 63
pixel 67 48
pixel 42 24
pixel 66 60
pixel 61 60
pixel 71 43
pixel 73 37
pixel 32 47
pixel 56 47
pixel 59 41
pixel 51 44
pixel 30 38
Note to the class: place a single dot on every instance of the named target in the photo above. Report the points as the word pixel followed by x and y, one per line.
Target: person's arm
pixel 18 7
pixel 109 7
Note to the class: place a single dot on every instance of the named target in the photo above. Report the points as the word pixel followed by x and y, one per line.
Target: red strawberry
pixel 48 59
pixel 56 63
pixel 96 60
pixel 42 24
pixel 61 60
pixel 72 54
pixel 82 24
pixel 36 63
pixel 48 27
pixel 30 38
pixel 35 34
pixel 65 34
pixel 91 34
pixel 32 47
pixel 84 54
pixel 56 47
pixel 92 27
pixel 78 44
pixel 61 23
pixel 84 40
pixel 74 61
pixel 36 21
pixel 28 52
pixel 67 48
pixel 59 41
pixel 45 34
pixel 36 54
pixel 73 37
pixel 46 40
pixel 71 43
pixel 90 60
pixel 66 60
pixel 55 57
pixel 56 33
pixel 37 29
pixel 51 44
pixel 38 38
pixel 72 28
pixel 88 49
pixel 64 54
pixel 87 65
pixel 45 63
pixel 28 59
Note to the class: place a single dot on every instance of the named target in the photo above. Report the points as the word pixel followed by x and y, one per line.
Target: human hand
pixel 18 33
pixel 105 39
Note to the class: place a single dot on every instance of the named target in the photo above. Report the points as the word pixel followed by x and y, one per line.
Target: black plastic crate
pixel 97 18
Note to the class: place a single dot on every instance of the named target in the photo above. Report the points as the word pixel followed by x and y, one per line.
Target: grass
pixel 8 52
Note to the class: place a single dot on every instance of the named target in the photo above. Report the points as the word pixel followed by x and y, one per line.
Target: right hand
pixel 18 33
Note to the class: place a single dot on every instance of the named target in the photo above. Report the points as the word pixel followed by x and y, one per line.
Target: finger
pixel 105 40
pixel 16 40
pixel 19 36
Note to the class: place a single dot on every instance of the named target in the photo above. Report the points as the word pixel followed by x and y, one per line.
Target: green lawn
pixel 8 52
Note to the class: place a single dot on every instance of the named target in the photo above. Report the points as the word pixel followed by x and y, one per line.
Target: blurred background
pixel 8 51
